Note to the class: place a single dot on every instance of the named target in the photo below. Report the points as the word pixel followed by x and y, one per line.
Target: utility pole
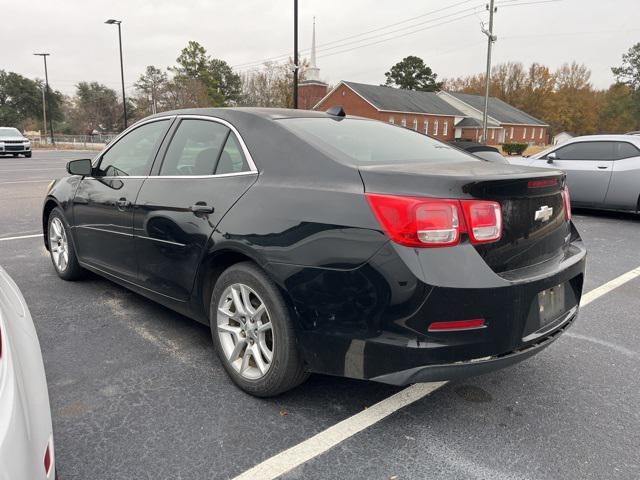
pixel 295 53
pixel 111 21
pixel 48 93
pixel 491 38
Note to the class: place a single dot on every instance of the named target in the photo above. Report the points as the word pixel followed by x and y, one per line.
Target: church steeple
pixel 313 72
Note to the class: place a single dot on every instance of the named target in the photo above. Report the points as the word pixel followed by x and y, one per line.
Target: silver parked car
pixel 603 171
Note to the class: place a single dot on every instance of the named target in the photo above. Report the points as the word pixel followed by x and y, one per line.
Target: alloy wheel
pixel 245 332
pixel 58 244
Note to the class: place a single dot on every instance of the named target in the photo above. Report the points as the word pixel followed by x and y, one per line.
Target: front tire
pixel 61 247
pixel 27 155
pixel 253 332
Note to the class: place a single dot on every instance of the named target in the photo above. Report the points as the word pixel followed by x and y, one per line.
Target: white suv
pixel 13 142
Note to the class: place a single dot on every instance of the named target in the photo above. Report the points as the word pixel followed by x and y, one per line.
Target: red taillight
pixel 484 220
pixel 566 200
pixel 434 222
pixel 457 325
pixel 47 460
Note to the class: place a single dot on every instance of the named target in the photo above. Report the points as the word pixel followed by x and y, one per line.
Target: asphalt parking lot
pixel 136 390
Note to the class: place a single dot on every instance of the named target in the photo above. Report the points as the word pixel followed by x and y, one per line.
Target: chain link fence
pixel 86 142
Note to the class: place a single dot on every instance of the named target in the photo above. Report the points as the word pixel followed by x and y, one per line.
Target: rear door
pixel 624 188
pixel 103 203
pixel 205 167
pixel 588 166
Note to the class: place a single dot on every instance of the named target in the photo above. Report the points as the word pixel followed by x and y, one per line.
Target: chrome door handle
pixel 123 203
pixel 201 207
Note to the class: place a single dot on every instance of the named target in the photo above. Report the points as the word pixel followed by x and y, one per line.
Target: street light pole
pixel 48 94
pixel 124 100
pixel 295 53
pixel 491 38
pixel 44 113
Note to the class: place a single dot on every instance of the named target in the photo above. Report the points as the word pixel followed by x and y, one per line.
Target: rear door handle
pixel 602 167
pixel 201 207
pixel 123 203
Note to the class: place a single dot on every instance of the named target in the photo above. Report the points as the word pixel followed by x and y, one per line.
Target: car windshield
pixel 9 132
pixel 366 142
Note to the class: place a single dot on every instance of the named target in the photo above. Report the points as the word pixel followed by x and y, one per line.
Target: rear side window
pixel 625 150
pixel 586 151
pixel 232 159
pixel 367 142
pixel 194 148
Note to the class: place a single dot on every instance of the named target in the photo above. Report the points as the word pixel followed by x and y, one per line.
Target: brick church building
pixel 442 115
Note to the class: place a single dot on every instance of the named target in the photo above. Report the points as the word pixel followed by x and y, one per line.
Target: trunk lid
pixel 533 216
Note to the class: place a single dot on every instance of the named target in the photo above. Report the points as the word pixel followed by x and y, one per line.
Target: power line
pixel 341 40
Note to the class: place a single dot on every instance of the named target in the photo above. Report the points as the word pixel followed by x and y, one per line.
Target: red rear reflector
pixel 436 222
pixel 47 460
pixel 457 325
pixel 566 200
pixel 550 182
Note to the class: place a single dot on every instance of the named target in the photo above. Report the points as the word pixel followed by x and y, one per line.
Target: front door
pixel 588 166
pixel 103 204
pixel 204 172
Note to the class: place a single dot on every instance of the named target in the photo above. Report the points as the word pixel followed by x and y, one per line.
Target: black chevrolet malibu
pixel 318 242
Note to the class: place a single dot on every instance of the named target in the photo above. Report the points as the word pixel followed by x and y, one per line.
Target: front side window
pixel 194 148
pixel 366 142
pixel 586 151
pixel 133 154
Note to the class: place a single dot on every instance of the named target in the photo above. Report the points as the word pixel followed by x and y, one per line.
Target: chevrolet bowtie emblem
pixel 543 213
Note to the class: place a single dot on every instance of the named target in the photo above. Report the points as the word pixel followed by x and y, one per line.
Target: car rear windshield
pixel 9 132
pixel 369 142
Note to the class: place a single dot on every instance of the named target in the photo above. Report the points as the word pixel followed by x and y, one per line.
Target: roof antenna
pixel 337 111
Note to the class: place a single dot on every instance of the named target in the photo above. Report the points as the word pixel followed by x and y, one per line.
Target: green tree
pixel 21 101
pixel 95 107
pixel 412 74
pixel 151 91
pixel 616 113
pixel 222 84
pixel 629 71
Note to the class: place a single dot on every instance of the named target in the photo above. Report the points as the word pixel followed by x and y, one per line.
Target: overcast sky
pixel 82 47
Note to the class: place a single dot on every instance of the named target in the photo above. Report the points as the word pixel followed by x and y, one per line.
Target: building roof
pixel 397 100
pixel 498 109
pixel 470 122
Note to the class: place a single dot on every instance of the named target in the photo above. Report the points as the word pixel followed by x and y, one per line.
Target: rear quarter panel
pixel 624 187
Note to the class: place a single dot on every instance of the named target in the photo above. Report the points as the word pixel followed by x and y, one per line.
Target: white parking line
pixel 20 237
pixel 26 181
pixel 618 348
pixel 332 436
pixel 295 456
pixel 596 293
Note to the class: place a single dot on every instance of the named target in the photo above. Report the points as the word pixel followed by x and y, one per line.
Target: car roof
pixel 267 113
pixel 611 137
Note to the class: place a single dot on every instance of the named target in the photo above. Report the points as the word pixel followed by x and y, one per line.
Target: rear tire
pixel 253 333
pixel 61 247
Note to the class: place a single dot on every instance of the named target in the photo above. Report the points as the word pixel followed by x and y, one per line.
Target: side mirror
pixel 551 157
pixel 80 167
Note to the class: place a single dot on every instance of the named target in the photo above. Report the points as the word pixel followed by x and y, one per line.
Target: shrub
pixel 514 148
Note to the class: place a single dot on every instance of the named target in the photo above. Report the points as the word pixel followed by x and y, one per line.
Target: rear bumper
pixel 473 367
pixel 375 325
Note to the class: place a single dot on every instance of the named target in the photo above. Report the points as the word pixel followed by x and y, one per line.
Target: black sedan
pixel 317 242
